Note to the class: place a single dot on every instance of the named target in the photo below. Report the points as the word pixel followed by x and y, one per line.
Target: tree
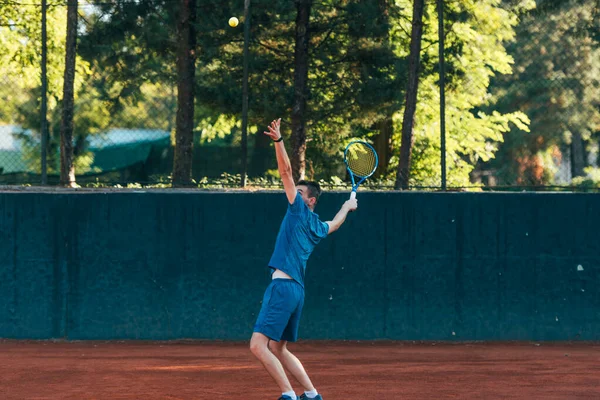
pixel 184 132
pixel 301 66
pixel 354 79
pixel 475 35
pixel 556 82
pixel 355 76
pixel 20 50
pixel 410 104
pixel 131 45
pixel 67 169
pixel 382 141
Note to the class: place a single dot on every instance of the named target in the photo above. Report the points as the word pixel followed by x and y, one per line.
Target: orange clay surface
pixel 339 370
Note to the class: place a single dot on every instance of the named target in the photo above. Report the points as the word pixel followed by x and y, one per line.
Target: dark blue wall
pixel 416 266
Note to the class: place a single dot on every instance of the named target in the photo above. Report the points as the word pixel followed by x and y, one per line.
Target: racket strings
pixel 361 159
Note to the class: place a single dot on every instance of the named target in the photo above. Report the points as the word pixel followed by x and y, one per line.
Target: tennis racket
pixel 361 162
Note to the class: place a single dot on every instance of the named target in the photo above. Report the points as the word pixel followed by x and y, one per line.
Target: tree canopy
pixel 522 81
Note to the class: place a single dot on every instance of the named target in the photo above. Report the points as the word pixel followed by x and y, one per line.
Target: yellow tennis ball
pixel 233 22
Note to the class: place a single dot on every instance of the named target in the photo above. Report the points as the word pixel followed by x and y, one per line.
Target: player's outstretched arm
pixel 340 217
pixel 283 161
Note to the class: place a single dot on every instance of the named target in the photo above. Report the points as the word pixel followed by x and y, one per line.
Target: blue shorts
pixel 279 315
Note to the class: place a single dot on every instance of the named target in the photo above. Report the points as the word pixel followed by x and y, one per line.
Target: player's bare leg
pixel 291 363
pixel 259 346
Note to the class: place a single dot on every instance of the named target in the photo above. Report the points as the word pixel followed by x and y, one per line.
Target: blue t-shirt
pixel 300 231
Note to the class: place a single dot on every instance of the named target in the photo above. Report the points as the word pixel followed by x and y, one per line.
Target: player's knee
pixel 254 347
pixel 257 347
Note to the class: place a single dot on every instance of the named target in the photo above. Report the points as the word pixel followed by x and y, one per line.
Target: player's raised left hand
pixel 274 132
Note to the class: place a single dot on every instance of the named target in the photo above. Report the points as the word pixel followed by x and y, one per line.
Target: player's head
pixel 310 192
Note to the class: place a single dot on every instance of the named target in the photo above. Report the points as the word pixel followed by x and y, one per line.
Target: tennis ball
pixel 233 22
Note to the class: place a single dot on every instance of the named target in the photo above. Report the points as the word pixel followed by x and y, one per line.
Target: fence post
pixel 44 105
pixel 440 4
pixel 245 93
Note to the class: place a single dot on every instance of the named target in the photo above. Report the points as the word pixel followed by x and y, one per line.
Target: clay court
pixel 341 370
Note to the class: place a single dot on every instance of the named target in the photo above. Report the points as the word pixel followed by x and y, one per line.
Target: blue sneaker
pixel 304 397
pixel 288 398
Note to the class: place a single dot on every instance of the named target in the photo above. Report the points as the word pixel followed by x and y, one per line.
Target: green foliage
pixel 20 56
pixel 590 181
pixel 354 77
pixel 556 83
pixel 477 32
pixel 511 68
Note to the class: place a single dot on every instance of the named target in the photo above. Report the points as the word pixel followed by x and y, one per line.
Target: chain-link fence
pixel 522 92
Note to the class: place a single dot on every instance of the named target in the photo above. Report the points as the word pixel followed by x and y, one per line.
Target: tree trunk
pixel 383 145
pixel 186 68
pixel 382 142
pixel 410 106
pixel 67 168
pixel 298 138
pixel 578 156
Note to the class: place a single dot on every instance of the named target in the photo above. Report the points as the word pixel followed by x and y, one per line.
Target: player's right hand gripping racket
pixel 361 161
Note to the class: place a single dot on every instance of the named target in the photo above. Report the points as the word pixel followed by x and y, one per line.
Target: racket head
pixel 361 159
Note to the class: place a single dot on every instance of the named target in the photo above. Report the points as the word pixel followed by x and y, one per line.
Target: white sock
pixel 312 394
pixel 290 394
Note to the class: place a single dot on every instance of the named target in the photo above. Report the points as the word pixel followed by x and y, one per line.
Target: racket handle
pixel 353 195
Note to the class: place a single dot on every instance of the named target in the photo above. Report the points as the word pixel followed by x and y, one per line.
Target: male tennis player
pixel 279 317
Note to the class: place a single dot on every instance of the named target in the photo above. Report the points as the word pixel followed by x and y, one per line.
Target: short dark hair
pixel 314 189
